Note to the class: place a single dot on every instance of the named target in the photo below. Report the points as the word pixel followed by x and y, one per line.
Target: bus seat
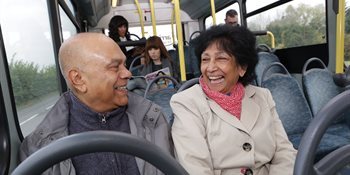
pixel 264 48
pixel 294 111
pixel 312 81
pixel 136 71
pixel 134 63
pixel 265 59
pixel 162 96
pixel 342 79
pixel 137 85
pixel 188 84
pixel 191 61
pixel 319 89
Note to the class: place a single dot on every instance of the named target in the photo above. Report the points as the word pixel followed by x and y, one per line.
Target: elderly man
pixel 231 17
pixel 93 66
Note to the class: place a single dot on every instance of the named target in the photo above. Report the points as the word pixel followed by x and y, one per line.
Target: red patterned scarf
pixel 231 103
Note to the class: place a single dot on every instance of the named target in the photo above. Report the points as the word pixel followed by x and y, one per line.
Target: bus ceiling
pixel 93 10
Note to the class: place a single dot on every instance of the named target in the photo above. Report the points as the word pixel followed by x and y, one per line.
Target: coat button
pixel 151 119
pixel 155 109
pixel 247 147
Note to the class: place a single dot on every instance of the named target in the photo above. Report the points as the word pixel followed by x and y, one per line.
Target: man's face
pixel 106 77
pixel 232 20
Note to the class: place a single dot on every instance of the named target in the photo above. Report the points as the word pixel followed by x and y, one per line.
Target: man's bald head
pixel 80 49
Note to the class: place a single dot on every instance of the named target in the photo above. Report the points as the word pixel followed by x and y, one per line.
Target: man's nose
pixel 125 74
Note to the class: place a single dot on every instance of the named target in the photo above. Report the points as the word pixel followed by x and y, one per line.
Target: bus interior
pixel 306 42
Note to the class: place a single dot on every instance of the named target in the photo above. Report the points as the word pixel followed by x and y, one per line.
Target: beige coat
pixel 209 140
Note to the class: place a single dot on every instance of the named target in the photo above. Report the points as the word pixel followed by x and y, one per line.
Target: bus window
pixel 29 49
pixel 68 27
pixel 163 31
pixel 254 5
pixel 297 23
pixel 347 33
pixel 221 15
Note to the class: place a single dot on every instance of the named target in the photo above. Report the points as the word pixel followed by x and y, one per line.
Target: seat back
pixel 188 84
pixel 137 84
pixel 291 105
pixel 318 85
pixel 162 96
pixel 135 66
pixel 264 60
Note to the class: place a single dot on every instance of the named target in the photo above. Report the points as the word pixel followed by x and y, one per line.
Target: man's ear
pixel 76 80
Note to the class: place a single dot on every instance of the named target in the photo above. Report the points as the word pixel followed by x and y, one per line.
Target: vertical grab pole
pixel 140 17
pixel 153 16
pixel 212 4
pixel 339 62
pixel 172 26
pixel 180 45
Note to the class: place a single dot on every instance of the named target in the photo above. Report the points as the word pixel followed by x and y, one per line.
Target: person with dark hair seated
pixel 223 125
pixel 157 58
pixel 119 32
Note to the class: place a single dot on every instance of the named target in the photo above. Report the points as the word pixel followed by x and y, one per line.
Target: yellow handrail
pixel 153 16
pixel 172 25
pixel 272 38
pixel 212 4
pixel 180 45
pixel 140 17
pixel 340 34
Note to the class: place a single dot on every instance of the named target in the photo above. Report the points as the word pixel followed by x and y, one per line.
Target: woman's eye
pixel 205 59
pixel 222 58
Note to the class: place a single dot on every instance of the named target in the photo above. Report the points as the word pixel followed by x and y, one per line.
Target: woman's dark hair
pixel 157 43
pixel 114 23
pixel 237 41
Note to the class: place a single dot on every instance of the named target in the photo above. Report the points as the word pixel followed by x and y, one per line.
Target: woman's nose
pixel 211 66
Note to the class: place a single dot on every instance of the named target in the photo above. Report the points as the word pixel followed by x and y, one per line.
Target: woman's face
pixel 122 31
pixel 154 53
pixel 219 69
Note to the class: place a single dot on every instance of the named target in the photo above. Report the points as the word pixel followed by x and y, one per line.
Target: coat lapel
pixel 250 109
pixel 248 116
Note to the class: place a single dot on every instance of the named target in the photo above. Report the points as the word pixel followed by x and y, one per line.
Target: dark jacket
pixel 145 118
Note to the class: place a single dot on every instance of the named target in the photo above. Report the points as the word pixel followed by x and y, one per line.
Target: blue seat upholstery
pixel 188 83
pixel 315 78
pixel 191 61
pixel 162 96
pixel 294 111
pixel 291 104
pixel 137 85
pixel 264 60
pixel 320 88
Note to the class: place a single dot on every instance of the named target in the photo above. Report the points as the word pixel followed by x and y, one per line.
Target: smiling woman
pixel 223 102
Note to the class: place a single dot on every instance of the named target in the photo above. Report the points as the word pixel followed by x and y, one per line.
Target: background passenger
pixel 98 100
pixel 231 18
pixel 224 125
pixel 157 57
pixel 119 31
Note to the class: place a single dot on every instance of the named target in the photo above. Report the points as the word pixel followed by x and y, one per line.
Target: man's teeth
pixel 121 88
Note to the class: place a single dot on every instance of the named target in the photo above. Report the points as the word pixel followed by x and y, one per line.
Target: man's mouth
pixel 120 88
